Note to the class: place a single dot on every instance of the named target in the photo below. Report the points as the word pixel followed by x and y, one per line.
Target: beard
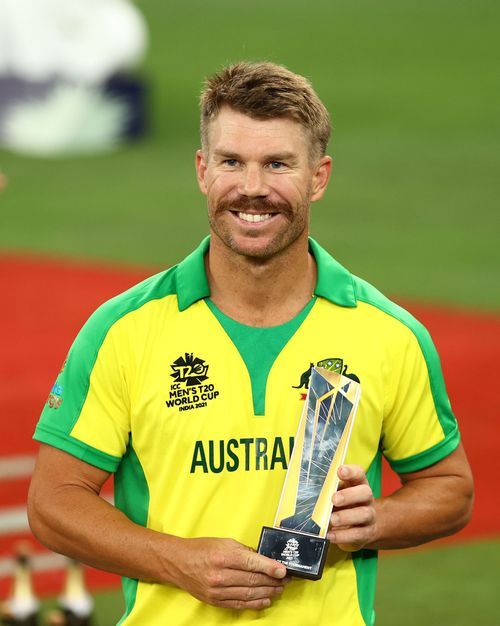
pixel 255 245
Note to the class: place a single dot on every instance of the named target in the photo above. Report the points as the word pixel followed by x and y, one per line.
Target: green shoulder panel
pixel 68 394
pixel 370 295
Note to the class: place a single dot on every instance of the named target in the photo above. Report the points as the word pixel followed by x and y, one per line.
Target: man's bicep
pixel 56 469
pixel 64 508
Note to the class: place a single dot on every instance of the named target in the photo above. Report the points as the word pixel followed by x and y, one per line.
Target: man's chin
pixel 257 245
pixel 258 248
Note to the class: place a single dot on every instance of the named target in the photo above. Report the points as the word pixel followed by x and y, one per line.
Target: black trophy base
pixel 303 555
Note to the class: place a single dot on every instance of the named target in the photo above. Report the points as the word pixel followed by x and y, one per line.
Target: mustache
pixel 243 204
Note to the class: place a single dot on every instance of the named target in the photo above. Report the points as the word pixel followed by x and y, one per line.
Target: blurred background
pixel 97 149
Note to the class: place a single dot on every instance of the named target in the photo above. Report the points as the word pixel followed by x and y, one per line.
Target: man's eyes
pixel 273 165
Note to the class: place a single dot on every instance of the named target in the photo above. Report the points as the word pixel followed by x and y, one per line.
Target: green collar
pixel 334 283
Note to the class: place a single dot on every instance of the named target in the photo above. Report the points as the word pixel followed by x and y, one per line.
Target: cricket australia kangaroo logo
pixel 333 364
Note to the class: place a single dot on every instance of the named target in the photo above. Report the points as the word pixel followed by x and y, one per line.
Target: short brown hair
pixel 264 91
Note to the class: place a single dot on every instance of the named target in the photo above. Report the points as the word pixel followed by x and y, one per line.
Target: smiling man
pixel 260 179
pixel 186 388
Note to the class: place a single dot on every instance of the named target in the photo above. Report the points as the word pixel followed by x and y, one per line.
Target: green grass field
pixel 449 586
pixel 413 90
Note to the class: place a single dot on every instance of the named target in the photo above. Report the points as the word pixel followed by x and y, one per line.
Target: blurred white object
pixel 65 81
pixel 76 599
pixel 69 119
pixel 77 40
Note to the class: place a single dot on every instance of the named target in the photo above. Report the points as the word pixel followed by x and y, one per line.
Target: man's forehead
pixel 232 127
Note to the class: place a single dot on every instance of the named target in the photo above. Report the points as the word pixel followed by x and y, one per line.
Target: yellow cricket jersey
pixel 199 429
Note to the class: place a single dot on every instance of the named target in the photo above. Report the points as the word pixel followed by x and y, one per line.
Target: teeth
pixel 250 217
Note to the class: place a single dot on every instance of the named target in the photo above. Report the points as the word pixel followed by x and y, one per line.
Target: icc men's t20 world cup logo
pixel 189 390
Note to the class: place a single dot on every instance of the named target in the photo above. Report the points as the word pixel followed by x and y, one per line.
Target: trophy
pixel 298 537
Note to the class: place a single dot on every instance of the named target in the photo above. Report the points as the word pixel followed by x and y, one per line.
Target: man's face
pixel 259 180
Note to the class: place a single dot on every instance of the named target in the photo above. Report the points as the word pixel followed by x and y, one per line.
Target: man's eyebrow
pixel 281 156
pixel 274 156
pixel 227 154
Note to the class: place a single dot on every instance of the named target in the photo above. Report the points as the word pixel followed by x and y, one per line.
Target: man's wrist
pixel 166 554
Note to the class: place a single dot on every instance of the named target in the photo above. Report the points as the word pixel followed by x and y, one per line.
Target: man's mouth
pixel 251 210
pixel 254 217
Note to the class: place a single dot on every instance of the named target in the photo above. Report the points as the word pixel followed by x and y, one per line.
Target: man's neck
pixel 261 292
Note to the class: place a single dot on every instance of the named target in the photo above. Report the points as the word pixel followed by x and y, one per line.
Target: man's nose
pixel 253 183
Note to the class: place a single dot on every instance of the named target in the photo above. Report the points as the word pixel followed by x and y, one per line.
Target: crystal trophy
pixel 298 537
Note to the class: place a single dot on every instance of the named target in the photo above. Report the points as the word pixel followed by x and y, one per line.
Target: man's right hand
pixel 67 514
pixel 225 573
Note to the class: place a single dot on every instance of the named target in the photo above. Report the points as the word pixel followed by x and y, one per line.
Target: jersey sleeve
pixel 87 412
pixel 419 427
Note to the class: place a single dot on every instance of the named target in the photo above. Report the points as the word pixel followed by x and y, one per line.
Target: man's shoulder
pixel 159 286
pixel 338 285
pixel 372 311
pixel 395 316
pixel 366 293
pixel 154 287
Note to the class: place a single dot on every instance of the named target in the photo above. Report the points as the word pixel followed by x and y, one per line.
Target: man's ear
pixel 321 177
pixel 201 169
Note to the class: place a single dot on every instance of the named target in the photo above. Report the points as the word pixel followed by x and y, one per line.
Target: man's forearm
pixel 420 511
pixel 80 524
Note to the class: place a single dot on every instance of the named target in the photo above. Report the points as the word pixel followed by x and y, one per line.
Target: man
pixel 186 387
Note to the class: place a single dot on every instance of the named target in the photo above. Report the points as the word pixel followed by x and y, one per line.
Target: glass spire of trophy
pixel 298 537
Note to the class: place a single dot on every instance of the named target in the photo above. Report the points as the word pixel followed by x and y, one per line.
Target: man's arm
pixel 431 503
pixel 67 514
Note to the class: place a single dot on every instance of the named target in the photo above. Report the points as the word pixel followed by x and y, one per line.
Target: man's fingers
pixel 225 573
pixel 253 605
pixel 239 578
pixel 253 562
pixel 359 516
pixel 353 496
pixel 246 594
pixel 353 518
pixel 350 539
pixel 351 475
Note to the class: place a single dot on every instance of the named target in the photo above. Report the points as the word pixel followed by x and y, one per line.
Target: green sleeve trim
pixel 428 457
pixel 368 294
pixel 77 448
